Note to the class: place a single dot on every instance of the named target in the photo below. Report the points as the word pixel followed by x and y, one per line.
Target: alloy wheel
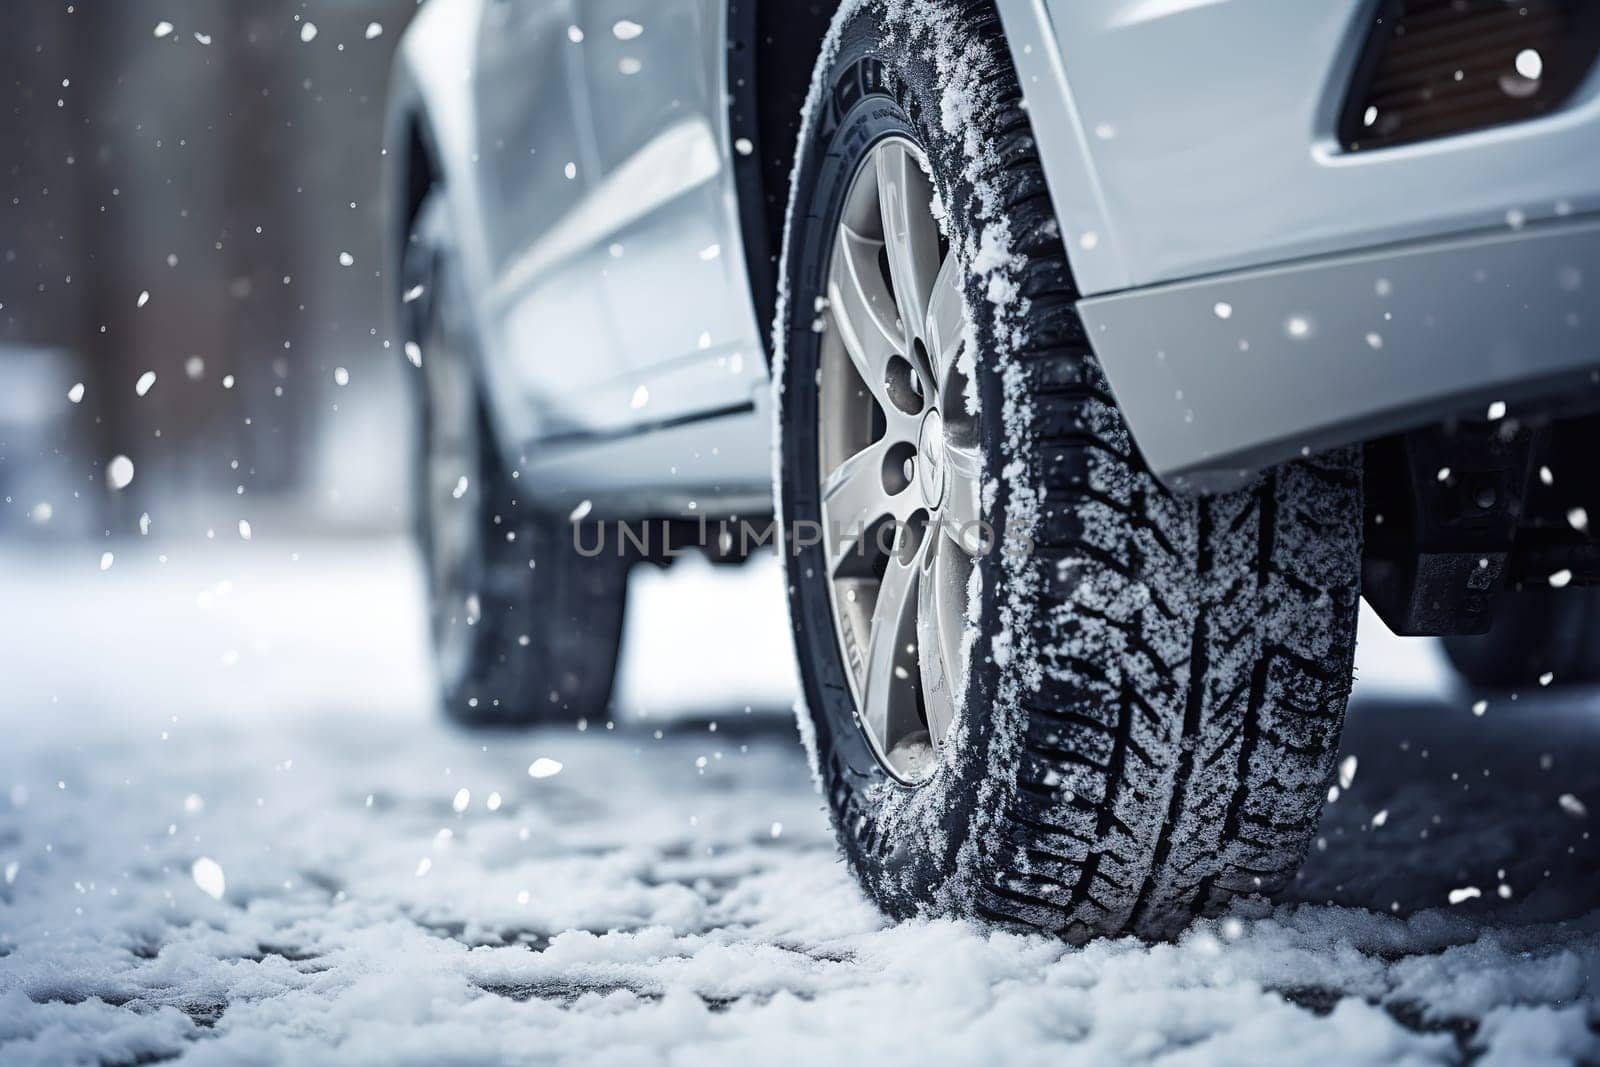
pixel 899 460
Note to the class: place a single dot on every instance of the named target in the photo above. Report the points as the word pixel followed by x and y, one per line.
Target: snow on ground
pixel 232 831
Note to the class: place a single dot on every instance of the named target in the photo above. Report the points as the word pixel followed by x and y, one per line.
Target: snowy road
pixel 231 832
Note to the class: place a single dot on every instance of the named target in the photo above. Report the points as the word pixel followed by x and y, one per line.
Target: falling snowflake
pixel 207 874
pixel 1347 772
pixel 119 472
pixel 544 767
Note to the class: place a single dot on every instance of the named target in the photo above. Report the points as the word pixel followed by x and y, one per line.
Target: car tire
pixel 525 627
pixel 1151 687
pixel 1536 632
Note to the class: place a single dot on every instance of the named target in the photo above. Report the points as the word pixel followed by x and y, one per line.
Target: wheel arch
pixel 415 170
pixel 772 49
pixel 429 127
pixel 429 134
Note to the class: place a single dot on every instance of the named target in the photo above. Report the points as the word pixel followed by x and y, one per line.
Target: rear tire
pixel 1153 696
pixel 1536 631
pixel 525 629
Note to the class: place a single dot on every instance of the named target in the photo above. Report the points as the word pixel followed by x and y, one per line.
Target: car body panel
pixel 1194 137
pixel 1190 147
pixel 587 164
pixel 1190 150
pixel 1225 375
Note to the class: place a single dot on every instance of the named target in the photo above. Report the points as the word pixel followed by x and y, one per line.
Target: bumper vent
pixel 1433 68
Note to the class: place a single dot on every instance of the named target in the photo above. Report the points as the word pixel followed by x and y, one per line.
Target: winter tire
pixel 1133 715
pixel 525 628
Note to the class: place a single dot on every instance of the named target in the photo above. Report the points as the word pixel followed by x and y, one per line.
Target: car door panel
pixel 655 88
pixel 549 327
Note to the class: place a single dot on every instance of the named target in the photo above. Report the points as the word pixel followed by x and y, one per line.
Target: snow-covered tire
pixel 1156 691
pixel 1536 632
pixel 525 628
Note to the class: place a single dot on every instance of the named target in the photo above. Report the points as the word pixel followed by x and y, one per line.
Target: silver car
pixel 1086 360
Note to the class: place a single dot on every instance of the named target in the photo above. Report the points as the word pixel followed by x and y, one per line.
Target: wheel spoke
pixel 905 198
pixel 863 308
pixel 854 499
pixel 888 695
pixel 947 325
pixel 941 627
pixel 961 517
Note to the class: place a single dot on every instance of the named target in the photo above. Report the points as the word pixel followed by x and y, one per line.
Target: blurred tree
pixel 220 157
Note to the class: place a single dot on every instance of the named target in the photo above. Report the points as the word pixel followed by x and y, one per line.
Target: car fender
pixel 431 96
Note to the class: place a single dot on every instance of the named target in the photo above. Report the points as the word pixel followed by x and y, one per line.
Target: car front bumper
pixel 1227 375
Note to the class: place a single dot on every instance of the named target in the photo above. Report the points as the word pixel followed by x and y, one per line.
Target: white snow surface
pixel 243 722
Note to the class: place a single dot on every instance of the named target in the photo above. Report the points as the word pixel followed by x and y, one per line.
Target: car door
pixel 551 338
pixel 655 93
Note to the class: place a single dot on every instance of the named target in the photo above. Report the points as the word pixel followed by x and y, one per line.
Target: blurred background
pixel 191 190
pixel 204 417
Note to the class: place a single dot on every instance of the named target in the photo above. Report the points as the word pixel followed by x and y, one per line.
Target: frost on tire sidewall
pixel 1157 690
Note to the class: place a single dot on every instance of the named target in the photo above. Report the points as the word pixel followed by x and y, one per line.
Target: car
pixel 1087 361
